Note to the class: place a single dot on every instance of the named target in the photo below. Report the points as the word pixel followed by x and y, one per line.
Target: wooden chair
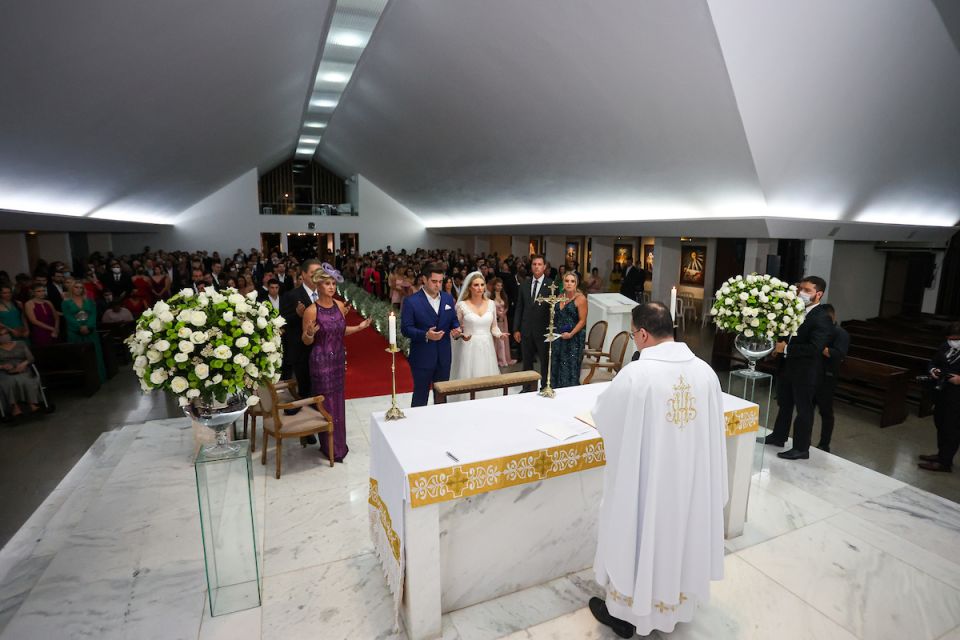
pixel 311 419
pixel 286 392
pixel 618 350
pixel 594 346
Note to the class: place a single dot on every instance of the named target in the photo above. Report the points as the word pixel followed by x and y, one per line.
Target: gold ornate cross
pixel 552 300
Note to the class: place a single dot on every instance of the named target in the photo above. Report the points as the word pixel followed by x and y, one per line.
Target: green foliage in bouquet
pixel 370 306
pixel 758 306
pixel 208 346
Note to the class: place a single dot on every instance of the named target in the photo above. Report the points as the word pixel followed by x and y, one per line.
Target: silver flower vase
pixel 217 416
pixel 753 349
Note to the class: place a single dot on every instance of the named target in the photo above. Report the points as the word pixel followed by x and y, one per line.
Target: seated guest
pixel 80 316
pixel 42 317
pixel 19 386
pixel 594 282
pixel 11 314
pixel 116 314
pixel 135 303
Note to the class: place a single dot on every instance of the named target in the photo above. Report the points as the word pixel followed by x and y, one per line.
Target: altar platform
pixel 830 550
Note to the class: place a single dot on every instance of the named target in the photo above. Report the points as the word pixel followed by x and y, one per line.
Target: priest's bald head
pixel 652 325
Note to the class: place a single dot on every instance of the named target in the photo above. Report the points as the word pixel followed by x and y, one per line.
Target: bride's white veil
pixel 465 288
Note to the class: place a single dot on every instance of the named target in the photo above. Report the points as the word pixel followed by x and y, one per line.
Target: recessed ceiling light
pixel 315 125
pixel 349 38
pixel 324 102
pixel 306 141
pixel 334 76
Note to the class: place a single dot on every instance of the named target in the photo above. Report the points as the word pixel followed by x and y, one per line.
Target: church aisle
pixel 820 538
pixel 368 364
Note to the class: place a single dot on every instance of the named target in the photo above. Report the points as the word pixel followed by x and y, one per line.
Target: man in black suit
pixel 117 282
pixel 833 355
pixel 284 278
pixel 799 371
pixel 55 288
pixel 633 279
pixel 296 355
pixel 530 318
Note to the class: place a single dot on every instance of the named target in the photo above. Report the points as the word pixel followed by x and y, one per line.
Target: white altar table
pixel 516 509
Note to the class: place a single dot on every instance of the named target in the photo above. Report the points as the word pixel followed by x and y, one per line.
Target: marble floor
pixel 831 550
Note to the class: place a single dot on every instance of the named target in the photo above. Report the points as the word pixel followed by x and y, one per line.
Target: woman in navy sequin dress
pixel 570 318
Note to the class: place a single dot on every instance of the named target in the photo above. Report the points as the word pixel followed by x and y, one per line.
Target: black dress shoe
pixel 930 457
pixel 308 440
pixel 935 466
pixel 794 454
pixel 824 447
pixel 771 439
pixel 620 627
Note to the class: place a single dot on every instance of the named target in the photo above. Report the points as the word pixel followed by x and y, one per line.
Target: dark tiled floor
pixel 36 455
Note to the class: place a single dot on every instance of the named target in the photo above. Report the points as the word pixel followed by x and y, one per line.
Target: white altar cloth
pixel 498 448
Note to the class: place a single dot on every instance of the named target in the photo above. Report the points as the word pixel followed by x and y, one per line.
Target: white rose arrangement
pixel 758 306
pixel 209 345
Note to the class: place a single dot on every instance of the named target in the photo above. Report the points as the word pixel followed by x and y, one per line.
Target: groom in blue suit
pixel 429 319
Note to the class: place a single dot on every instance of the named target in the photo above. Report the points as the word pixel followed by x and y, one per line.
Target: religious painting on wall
pixel 622 253
pixel 573 253
pixel 693 261
pixel 648 260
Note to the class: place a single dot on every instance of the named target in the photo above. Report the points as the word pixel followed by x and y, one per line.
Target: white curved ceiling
pixel 137 109
pixel 501 112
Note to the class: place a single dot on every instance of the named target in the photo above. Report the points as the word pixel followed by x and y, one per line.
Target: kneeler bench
pixel 487 383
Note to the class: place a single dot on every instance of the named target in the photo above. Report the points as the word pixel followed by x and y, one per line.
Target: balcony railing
pixel 297 209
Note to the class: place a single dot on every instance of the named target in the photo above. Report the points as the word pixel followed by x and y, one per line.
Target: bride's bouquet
pixel 207 347
pixel 758 306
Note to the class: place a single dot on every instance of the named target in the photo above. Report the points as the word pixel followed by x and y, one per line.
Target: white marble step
pixel 28 553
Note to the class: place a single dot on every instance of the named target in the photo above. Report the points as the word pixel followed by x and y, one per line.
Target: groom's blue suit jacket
pixel 418 316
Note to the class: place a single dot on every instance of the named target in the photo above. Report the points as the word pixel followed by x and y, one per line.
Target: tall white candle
pixel 393 329
pixel 673 304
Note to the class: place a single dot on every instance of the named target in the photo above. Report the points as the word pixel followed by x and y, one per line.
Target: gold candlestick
pixel 547 391
pixel 394 412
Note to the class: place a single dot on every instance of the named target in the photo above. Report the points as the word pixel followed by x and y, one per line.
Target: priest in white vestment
pixel 665 483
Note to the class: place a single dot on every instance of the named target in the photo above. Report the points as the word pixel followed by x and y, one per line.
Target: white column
pixel 555 250
pixel 13 254
pixel 818 261
pixel 55 246
pixel 666 268
pixel 602 247
pixel 102 242
pixel 519 245
pixel 481 244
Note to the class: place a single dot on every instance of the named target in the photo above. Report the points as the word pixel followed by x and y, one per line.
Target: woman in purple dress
pixel 324 326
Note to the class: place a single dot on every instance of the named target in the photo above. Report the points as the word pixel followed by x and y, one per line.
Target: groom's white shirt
pixel 434 302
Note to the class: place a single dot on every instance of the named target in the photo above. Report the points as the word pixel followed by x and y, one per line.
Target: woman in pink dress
pixel 42 317
pixel 502 344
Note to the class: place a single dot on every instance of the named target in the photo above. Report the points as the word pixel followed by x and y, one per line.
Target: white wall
pixel 857 281
pixel 930 294
pixel 555 250
pixel 602 247
pixel 102 242
pixel 13 254
pixel 229 218
pixel 54 246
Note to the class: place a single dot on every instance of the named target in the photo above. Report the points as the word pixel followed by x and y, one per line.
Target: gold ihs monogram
pixel 682 405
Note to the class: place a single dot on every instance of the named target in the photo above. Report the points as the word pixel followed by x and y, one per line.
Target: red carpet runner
pixel 368 364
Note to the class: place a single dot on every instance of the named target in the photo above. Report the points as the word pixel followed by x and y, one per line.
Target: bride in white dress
pixel 474 354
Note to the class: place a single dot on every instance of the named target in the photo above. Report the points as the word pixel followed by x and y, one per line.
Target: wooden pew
pixel 487 383
pixel 875 385
pixel 73 364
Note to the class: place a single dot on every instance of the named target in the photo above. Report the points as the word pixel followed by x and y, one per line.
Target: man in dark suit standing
pixel 833 355
pixel 429 319
pixel 633 279
pixel 799 371
pixel 530 318
pixel 284 278
pixel 296 355
pixel 117 282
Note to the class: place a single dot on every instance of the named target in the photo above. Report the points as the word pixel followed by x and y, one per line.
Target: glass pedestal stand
pixel 744 384
pixel 228 526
